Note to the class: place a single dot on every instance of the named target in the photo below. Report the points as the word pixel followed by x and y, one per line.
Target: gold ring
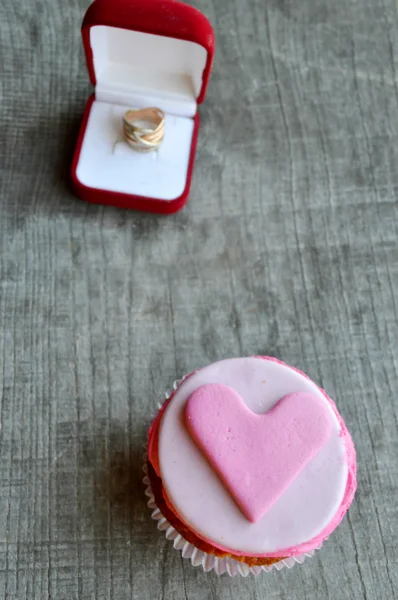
pixel 137 131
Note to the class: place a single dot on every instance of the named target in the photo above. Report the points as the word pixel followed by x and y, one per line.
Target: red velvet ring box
pixel 142 53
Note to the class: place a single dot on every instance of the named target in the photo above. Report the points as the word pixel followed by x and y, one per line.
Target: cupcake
pixel 250 466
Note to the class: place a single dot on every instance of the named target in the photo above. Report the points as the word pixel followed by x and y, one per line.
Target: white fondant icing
pixel 201 499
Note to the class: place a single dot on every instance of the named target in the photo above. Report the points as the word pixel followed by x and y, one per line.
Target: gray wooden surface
pixel 288 247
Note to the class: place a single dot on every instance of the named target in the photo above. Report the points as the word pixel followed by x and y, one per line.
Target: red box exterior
pixel 169 18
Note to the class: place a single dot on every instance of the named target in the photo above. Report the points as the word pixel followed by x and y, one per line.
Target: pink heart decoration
pixel 256 456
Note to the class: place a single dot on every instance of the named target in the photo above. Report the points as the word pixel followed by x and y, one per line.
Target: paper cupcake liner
pixel 202 559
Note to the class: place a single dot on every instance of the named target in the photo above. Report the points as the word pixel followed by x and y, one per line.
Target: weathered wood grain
pixel 288 246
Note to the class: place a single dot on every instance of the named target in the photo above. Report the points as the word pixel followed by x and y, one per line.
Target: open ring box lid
pixel 142 53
